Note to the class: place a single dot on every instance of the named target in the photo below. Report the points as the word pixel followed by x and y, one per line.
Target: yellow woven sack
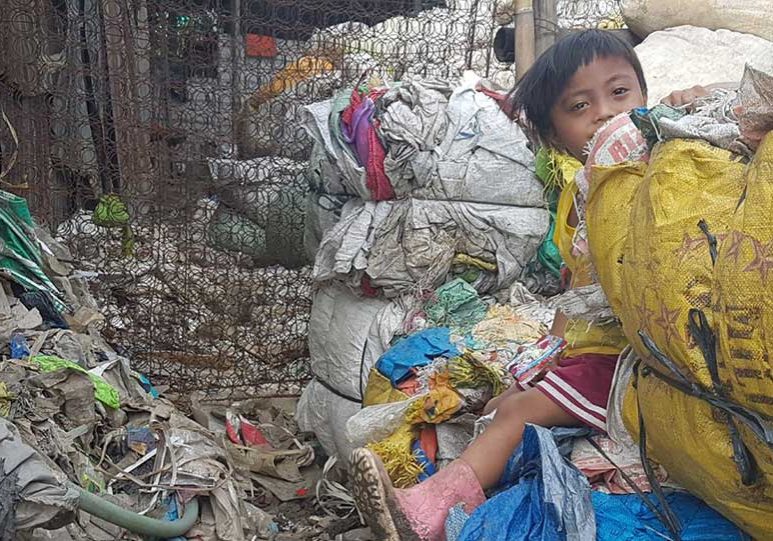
pixel 667 270
pixel 380 391
pixel 743 294
pixel 686 438
pixel 608 214
pixel 667 266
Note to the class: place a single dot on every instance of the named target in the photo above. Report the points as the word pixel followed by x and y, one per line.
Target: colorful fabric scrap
pixel 456 305
pixel 360 128
pixel 397 450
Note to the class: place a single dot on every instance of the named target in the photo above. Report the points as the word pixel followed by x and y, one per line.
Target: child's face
pixel 596 93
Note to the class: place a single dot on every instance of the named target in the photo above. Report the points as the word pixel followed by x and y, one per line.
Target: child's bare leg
pixel 494 403
pixel 489 453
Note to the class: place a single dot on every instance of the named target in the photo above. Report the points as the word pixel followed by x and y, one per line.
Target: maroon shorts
pixel 580 386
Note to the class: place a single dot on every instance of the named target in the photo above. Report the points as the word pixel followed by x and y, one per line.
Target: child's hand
pixel 535 359
pixel 685 98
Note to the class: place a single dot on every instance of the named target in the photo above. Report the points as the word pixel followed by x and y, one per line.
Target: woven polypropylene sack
pixel 667 266
pixel 611 188
pixel 743 294
pixel 686 438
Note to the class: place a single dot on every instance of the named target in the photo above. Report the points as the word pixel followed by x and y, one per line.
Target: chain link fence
pixel 162 141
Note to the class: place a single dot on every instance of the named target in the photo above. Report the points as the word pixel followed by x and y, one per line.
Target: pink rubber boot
pixel 417 513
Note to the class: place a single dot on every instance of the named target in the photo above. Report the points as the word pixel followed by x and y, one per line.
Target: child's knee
pixel 511 407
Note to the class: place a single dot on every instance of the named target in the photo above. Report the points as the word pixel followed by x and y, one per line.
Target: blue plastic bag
pixel 416 351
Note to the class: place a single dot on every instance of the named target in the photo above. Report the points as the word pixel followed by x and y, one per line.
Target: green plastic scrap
pixel 457 305
pixel 103 391
pixel 648 120
pixel 111 211
pixel 21 259
pixel 548 255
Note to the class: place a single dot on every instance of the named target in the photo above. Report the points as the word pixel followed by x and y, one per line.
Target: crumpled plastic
pixel 45 500
pixel 626 518
pixel 457 305
pixel 481 156
pixel 550 502
pixel 755 108
pixel 416 351
pixel 103 391
pixel 21 257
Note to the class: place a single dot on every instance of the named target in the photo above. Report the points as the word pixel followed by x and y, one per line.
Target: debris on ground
pixel 78 420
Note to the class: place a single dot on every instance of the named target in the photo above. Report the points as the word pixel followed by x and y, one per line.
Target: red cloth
pixel 367 288
pixel 428 442
pixel 260 46
pixel 376 179
pixel 580 386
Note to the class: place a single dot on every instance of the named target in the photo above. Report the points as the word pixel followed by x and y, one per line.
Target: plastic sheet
pixel 550 502
pixel 627 518
pixel 416 351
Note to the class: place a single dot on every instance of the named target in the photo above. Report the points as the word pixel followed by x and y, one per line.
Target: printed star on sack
pixel 763 259
pixel 736 243
pixel 667 322
pixel 644 312
pixel 689 245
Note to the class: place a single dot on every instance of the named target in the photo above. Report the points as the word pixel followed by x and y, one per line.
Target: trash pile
pixel 410 337
pixel 425 204
pixel 91 449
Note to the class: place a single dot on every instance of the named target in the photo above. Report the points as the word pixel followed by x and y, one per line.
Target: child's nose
pixel 604 112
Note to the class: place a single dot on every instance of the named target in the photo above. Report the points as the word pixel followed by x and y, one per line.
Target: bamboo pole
pixel 546 23
pixel 524 36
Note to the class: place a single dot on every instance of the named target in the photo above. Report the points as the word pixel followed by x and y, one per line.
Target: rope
pixel 332 497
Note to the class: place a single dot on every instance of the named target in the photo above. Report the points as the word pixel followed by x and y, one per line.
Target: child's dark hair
pixel 538 91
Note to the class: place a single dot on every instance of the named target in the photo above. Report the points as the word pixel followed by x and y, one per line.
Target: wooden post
pixel 126 43
pixel 237 68
pixel 546 23
pixel 524 36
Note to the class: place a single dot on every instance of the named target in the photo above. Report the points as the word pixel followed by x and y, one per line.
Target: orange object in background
pixel 260 46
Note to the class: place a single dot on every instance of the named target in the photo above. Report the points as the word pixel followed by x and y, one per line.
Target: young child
pixel 576 86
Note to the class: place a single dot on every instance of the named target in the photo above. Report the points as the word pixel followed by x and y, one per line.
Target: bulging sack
pixel 747 16
pixel 667 260
pixel 697 237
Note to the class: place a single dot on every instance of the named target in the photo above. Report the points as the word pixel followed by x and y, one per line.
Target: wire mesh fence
pixel 162 140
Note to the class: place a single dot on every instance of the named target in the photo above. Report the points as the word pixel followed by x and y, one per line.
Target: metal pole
pixel 546 22
pixel 524 36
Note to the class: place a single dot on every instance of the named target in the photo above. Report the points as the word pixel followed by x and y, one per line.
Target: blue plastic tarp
pixel 550 502
pixel 416 351
pixel 626 518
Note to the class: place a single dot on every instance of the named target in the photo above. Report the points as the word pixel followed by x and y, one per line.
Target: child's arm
pixel 559 324
pixel 681 98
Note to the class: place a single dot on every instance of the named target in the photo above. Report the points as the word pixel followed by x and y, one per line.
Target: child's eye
pixel 579 106
pixel 620 91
